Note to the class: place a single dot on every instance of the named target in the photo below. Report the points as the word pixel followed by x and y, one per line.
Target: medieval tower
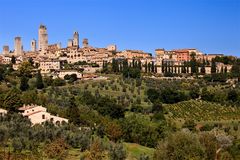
pixel 33 45
pixel 42 38
pixel 18 49
pixel 85 42
pixel 5 50
pixel 76 39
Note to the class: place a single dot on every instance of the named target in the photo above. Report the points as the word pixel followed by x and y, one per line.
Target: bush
pixel 117 152
pixel 56 149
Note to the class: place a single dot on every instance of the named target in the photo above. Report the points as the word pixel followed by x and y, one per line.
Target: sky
pixel 211 26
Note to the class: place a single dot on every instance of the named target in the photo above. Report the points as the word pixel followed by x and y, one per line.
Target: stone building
pixel 47 66
pixel 76 39
pixel 5 50
pixel 33 45
pixel 42 38
pixel 18 49
pixel 85 42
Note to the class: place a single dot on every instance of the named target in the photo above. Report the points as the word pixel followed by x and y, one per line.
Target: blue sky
pixel 212 26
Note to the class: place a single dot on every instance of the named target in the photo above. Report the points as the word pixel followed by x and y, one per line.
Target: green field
pixel 201 111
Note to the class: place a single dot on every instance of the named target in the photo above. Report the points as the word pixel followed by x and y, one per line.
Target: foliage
pixel 139 129
pixel 25 69
pixel 24 83
pixel 73 112
pixel 117 152
pixel 56 149
pixel 71 78
pixel 180 145
pixel 12 100
pixel 96 151
pixel 39 82
pixel 202 111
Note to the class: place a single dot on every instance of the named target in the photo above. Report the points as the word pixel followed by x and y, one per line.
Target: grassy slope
pixel 133 152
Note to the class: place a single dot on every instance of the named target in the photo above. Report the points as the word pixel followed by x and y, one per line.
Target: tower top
pixel 42 26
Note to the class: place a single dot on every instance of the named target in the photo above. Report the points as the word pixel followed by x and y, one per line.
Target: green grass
pixel 135 150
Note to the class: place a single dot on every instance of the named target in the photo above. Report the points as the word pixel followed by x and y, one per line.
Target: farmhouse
pixel 38 115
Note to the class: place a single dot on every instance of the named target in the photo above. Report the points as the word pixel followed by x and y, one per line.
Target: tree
pixel 58 82
pixel 152 67
pixel 56 149
pixel 12 100
pixel 24 83
pixel 203 70
pixel 180 145
pixel 184 68
pixel 146 67
pixel 113 130
pixel 232 95
pixel 213 67
pixel 25 69
pixel 39 82
pixel 13 59
pixel 193 63
pixel 117 152
pixel 30 60
pixel 17 145
pixel 73 112
pixel 96 151
pixel 235 71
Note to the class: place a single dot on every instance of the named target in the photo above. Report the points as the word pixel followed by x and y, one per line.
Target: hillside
pixel 202 111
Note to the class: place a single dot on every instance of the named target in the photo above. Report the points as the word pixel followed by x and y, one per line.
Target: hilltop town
pixel 51 58
pixel 89 103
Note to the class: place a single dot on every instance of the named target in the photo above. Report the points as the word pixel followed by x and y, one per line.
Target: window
pixel 43 116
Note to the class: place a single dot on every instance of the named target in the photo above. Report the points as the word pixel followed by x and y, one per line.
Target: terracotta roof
pixel 33 113
pixel 25 108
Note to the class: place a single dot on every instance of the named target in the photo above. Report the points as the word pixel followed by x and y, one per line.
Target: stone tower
pixel 76 39
pixel 5 50
pixel 85 42
pixel 34 45
pixel 18 49
pixel 42 38
pixel 70 43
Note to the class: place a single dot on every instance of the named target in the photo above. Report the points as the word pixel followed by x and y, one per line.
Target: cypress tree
pixel 213 67
pixel 152 67
pixel 39 82
pixel 146 67
pixel 24 83
pixel 13 60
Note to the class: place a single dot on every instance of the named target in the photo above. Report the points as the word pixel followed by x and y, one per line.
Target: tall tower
pixel 76 39
pixel 18 49
pixel 34 45
pixel 42 38
pixel 5 50
pixel 85 42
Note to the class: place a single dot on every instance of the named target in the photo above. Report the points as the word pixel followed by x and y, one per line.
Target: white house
pixel 38 115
